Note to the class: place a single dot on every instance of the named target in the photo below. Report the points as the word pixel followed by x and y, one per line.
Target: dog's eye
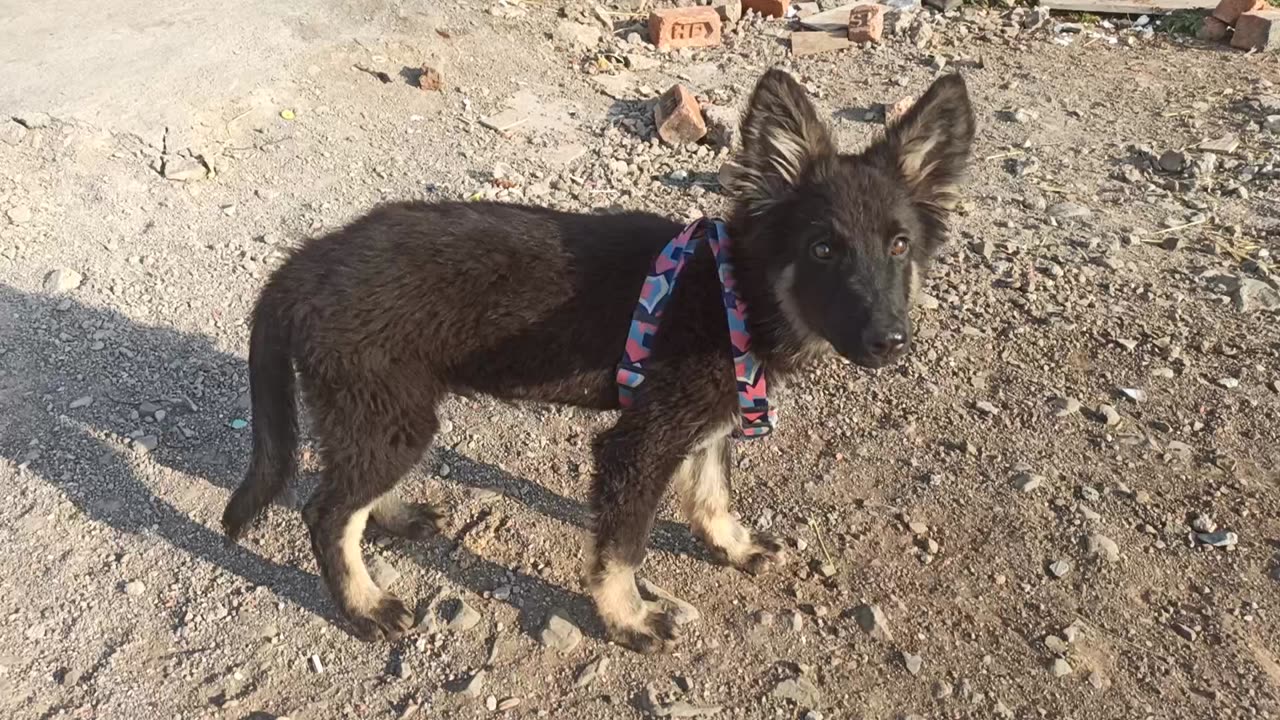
pixel 899 246
pixel 821 250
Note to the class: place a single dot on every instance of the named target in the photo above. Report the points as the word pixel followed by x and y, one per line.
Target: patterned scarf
pixel 758 418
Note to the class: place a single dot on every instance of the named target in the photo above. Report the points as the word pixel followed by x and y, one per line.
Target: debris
pixel 913 663
pixel 1225 144
pixel 475 684
pixel 722 124
pixel 183 169
pixel 730 11
pixel 238 424
pixel 866 23
pixel 1060 668
pixel 799 691
pixel 505 120
pixel 559 634
pixel 688 27
pixel 1137 395
pixel 1059 568
pixel 1026 482
pixel 134 588
pixel 62 280
pixel 943 5
pixel 1222 539
pixel 577 35
pixel 1110 416
pixel 591 671
pixel 1065 406
pixel 429 79
pixel 316 665
pixel 1229 11
pixel 1253 295
pixel 678 117
pixel 872 621
pixel 682 709
pixel 1229 383
pixel 80 402
pixel 1258 31
pixel 1102 546
pixel 1069 211
pixel 767 8
pixel 817 41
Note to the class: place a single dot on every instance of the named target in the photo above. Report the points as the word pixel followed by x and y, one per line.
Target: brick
pixel 866 23
pixel 767 8
pixel 1212 30
pixel 678 117
pixel 1229 11
pixel 730 11
pixel 1258 31
pixel 812 43
pixel 675 28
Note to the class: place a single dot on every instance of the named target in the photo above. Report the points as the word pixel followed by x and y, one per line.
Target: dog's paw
pixel 654 632
pixel 386 619
pixel 412 521
pixel 762 554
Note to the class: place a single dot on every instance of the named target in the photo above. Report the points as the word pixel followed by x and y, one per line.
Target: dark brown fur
pixel 383 318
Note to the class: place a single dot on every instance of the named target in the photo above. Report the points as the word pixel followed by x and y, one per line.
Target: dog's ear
pixel 782 140
pixel 929 146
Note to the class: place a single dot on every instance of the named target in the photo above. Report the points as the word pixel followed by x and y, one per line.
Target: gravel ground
pixel 1065 504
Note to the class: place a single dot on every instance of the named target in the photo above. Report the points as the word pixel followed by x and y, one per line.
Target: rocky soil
pixel 1065 504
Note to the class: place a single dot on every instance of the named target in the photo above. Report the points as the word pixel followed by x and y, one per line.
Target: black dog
pixel 381 319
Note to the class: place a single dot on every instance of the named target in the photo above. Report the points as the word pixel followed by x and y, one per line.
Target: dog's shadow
pixel 55 351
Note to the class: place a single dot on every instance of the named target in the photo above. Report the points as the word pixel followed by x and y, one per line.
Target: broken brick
pixel 678 117
pixel 866 23
pixel 674 28
pixel 429 79
pixel 818 41
pixel 1212 30
pixel 1229 11
pixel 767 8
pixel 1258 31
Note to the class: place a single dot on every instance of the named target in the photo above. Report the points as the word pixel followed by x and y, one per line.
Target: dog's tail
pixel 275 415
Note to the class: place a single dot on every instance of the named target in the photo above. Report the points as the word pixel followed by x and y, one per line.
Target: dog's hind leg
pixel 702 482
pixel 370 437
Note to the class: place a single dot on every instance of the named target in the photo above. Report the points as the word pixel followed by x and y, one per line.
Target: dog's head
pixel 845 239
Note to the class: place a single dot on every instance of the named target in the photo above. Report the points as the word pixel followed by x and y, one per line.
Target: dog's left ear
pixel 782 140
pixel 929 145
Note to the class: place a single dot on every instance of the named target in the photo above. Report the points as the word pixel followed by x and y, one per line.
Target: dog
pixel 379 321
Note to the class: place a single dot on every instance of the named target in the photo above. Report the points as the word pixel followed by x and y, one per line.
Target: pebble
pixel 1069 210
pixel 384 574
pixel 559 634
pixel 591 671
pixel 464 617
pixel 316 665
pixel 491 703
pixel 475 685
pixel 146 443
pixel 1223 539
pixel 1060 667
pixel 1026 482
pixel 19 214
pixel 1110 416
pixel 1135 394
pixel 942 690
pixel 80 402
pixel 872 621
pixel 134 588
pixel 913 663
pixel 987 408
pixel 682 709
pixel 1056 645
pixel 1065 406
pixel 1203 524
pixel 1185 632
pixel 1060 568
pixel 1102 546
pixel 508 704
pixel 798 690
pixel 62 280
pixel 1229 383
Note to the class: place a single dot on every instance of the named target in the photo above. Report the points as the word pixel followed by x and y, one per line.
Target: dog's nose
pixel 887 345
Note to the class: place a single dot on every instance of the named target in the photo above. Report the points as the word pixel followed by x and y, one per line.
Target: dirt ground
pixel 1065 504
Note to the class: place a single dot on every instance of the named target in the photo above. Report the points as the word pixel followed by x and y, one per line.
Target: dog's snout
pixel 887 344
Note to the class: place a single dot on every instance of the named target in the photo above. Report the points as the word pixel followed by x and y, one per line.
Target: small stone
pixel 316 665
pixel 430 79
pixel 1027 482
pixel 475 684
pixel 942 690
pixel 19 214
pixel 913 663
pixel 1110 416
pixel 722 124
pixel 1229 383
pixel 146 443
pixel 1065 406
pixel 491 703
pixel 1252 295
pixel 183 169
pixel 1069 211
pixel 917 528
pixel 1097 680
pixel 80 402
pixel 872 621
pixel 1059 568
pixel 1056 645
pixel 1101 546
pixel 1135 394
pixel 799 691
pixel 682 709
pixel 986 408
pixel 591 671
pixel 134 588
pixel 1185 632
pixel 384 574
pixel 1060 668
pixel 508 704
pixel 1203 524
pixel 62 280
pixel 1171 161
pixel 1222 539
pixel 463 618
pixel 559 634
pixel 577 35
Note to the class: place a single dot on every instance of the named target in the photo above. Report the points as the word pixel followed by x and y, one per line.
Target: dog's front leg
pixel 702 482
pixel 634 464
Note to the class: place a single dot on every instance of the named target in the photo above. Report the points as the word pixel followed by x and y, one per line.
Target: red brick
pixel 866 23
pixel 1228 11
pixel 1258 31
pixel 1212 30
pixel 678 117
pixel 767 8
pixel 674 28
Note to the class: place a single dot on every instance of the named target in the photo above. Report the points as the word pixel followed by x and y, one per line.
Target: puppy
pixel 379 321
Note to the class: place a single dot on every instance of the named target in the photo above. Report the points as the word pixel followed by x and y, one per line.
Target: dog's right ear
pixel 782 140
